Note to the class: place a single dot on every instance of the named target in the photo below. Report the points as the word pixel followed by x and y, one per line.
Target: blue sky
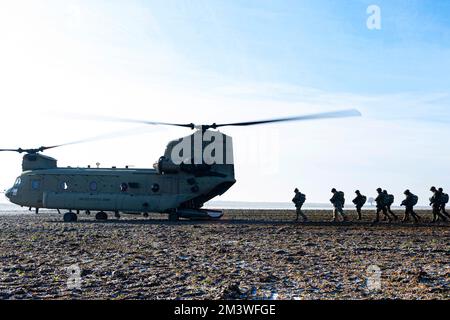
pixel 321 44
pixel 210 61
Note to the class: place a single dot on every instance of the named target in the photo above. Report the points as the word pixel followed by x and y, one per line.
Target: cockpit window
pixel 18 182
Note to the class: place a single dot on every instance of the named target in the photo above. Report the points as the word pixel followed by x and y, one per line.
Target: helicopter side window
pixel 35 184
pixel 124 187
pixel 64 186
pixel 155 187
pixel 93 186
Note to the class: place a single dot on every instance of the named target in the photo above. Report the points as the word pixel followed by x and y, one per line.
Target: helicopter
pixel 193 170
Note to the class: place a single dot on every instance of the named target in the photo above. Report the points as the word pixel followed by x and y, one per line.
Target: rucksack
pixel 300 200
pixel 445 198
pixel 414 200
pixel 390 199
pixel 341 197
pixel 360 201
pixel 363 200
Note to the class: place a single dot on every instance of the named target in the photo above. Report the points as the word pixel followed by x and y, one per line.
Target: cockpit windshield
pixel 18 182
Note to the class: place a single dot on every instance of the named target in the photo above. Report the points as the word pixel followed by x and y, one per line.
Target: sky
pixel 211 61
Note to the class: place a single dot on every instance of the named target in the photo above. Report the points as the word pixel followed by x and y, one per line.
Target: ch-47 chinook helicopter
pixel 192 171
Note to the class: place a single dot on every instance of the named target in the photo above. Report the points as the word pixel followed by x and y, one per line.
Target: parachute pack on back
pixel 414 200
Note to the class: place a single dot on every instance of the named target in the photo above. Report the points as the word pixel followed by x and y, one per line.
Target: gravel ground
pixel 249 254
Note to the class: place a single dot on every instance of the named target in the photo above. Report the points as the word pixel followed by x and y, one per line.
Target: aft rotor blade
pixel 317 116
pixel 127 120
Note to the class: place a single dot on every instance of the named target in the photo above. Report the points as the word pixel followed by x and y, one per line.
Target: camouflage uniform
pixel 359 201
pixel 299 200
pixel 381 206
pixel 435 202
pixel 338 202
pixel 389 198
pixel 409 204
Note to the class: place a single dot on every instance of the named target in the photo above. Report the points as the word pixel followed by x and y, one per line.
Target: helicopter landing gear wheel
pixel 101 216
pixel 145 214
pixel 173 217
pixel 70 217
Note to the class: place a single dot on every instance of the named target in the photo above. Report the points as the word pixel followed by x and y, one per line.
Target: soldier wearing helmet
pixel 409 203
pixel 389 201
pixel 435 203
pixel 359 202
pixel 338 201
pixel 299 199
pixel 381 206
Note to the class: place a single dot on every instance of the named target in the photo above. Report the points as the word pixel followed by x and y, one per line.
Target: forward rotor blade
pixel 107 136
pixel 20 150
pixel 317 116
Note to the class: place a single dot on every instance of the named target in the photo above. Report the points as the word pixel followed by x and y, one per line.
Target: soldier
pixel 299 200
pixel 444 201
pixel 338 201
pixel 389 202
pixel 409 203
pixel 359 201
pixel 435 203
pixel 381 206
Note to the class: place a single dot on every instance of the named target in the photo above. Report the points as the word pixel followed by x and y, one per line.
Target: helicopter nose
pixel 8 194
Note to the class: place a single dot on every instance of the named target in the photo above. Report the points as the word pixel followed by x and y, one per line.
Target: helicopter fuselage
pixel 125 190
pixel 171 187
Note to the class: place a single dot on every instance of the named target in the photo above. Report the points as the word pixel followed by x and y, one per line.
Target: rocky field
pixel 246 255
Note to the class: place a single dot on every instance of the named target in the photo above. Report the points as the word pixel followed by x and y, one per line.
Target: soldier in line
pixel 381 206
pixel 389 202
pixel 299 199
pixel 409 203
pixel 338 201
pixel 444 201
pixel 359 202
pixel 435 203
